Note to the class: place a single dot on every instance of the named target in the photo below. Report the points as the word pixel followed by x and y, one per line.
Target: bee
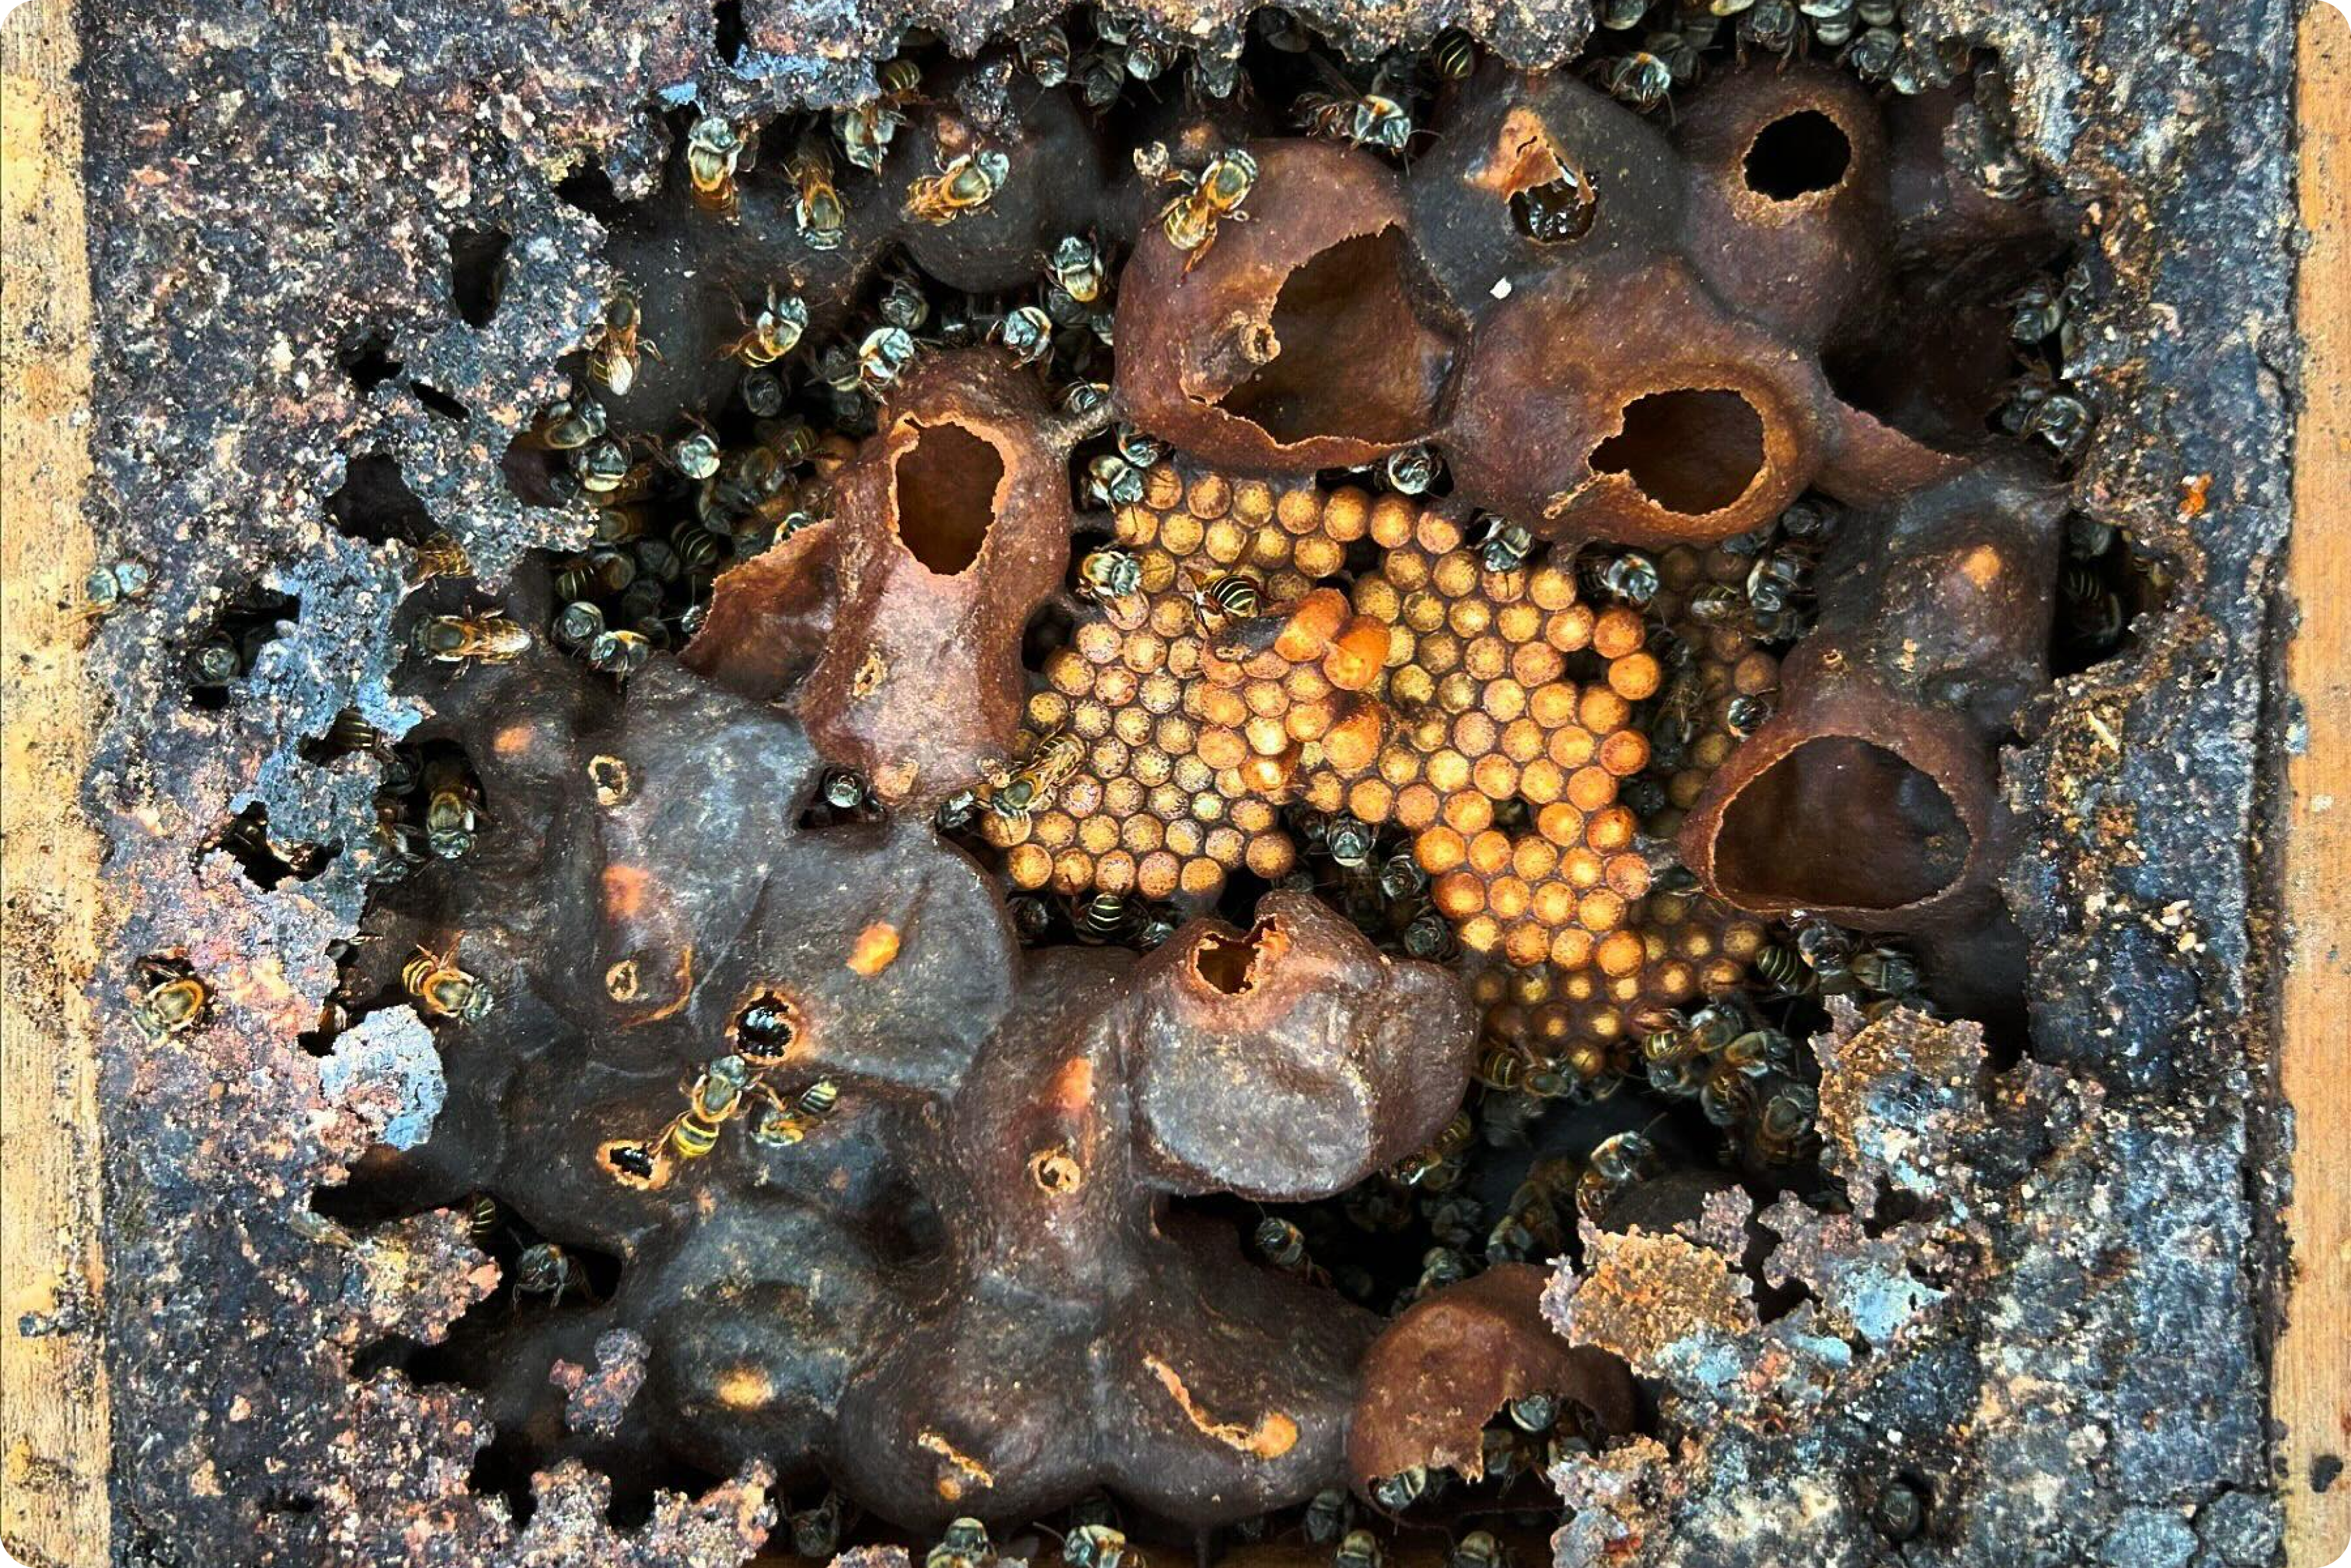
pixel 1328 1516
pixel 1478 1549
pixel 1742 717
pixel 1885 971
pixel 714 152
pixel 445 990
pixel 1454 54
pixel 1900 1511
pixel 620 652
pixel 2043 409
pixel 1532 1412
pixel 1616 1163
pixel 546 1269
pixel 1411 470
pixel 1075 267
pixel 1428 936
pixel 119 583
pixel 579 624
pixel 1873 56
pixel 1639 79
pixel 763 392
pixel 1219 600
pixel 1045 54
pixel 816 1532
pixel 1213 195
pixel 1027 332
pixel 866 130
pixel 764 1028
pixel 1501 1068
pixel 817 207
pixel 964 1544
pixel 1785 1126
pixel 215 661
pixel 1108 573
pixel 963 184
pixel 1398 1492
pixel 1097 1545
pixel 817 1101
pixel 1631 577
pixel 1503 546
pixel 1440 1267
pixel 1360 1548
pixel 483 1218
pixel 568 423
pixel 883 357
pixel 1784 970
pixel 715 1098
pixel 450 819
pixel 1718 605
pixel 1451 1141
pixel 1031 785
pixel 1371 120
pixel 1760 1051
pixel 1349 842
pixel 439 556
pixel 1622 15
pixel 614 346
pixel 1112 481
pixel 168 999
pixel 1283 1244
pixel 1772 26
pixel 456 639
pixel 774 333
pixel 1104 917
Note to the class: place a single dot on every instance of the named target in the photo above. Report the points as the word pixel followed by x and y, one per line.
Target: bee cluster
pixel 1474 733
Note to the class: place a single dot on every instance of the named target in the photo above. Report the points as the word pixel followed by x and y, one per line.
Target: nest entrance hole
pixel 1797 156
pixel 1840 822
pixel 1229 964
pixel 947 484
pixel 1349 358
pixel 1691 451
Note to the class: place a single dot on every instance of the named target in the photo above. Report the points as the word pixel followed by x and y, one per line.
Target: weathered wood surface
pixel 53 1405
pixel 2311 1383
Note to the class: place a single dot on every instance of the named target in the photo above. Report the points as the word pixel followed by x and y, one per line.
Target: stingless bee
pixel 1028 331
pixel 716 151
pixel 1045 54
pixel 1639 79
pixel 817 207
pixel 439 556
pixel 1455 53
pixel 1099 1545
pixel 445 990
pixel 715 1098
pixel 764 1028
pixel 119 583
pixel 1451 1141
pixel 1221 599
pixel 483 1218
pixel 450 818
pixel 1503 546
pixel 1399 1491
pixel 1411 470
pixel 1108 573
pixel 866 130
pixel 544 1268
pixel 168 999
pixel 1031 785
pixel 1328 1514
pixel 964 184
pixel 620 652
pixel 962 1544
pixel 1478 1549
pixel 1367 119
pixel 1211 196
pixel 774 333
pixel 1075 267
pixel 568 423
pixel 615 345
pixel 457 639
